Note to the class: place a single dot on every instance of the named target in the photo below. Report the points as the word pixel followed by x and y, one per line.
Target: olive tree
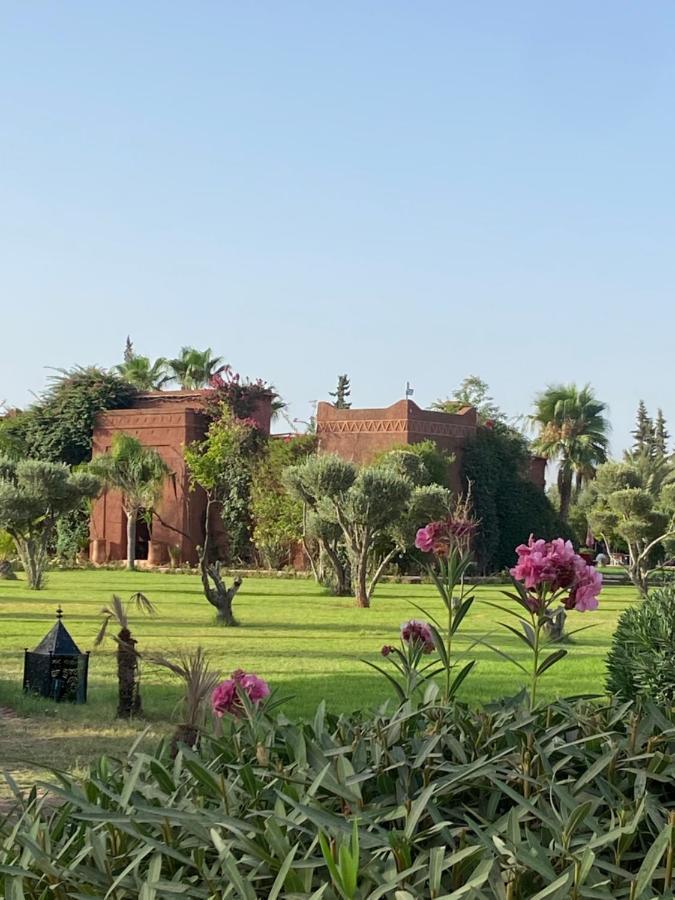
pixel 373 506
pixel 634 502
pixel 33 495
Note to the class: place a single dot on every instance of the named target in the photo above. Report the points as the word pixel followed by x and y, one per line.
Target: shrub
pixel 641 661
pixel 7 546
pixel 72 534
pixel 574 800
pixel 506 503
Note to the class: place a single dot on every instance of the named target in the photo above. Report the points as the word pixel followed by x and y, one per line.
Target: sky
pixel 400 191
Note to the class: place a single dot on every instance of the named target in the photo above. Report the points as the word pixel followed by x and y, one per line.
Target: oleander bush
pixel 641 661
pixel 571 800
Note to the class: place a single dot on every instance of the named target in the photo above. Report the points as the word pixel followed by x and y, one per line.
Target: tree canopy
pixel 376 508
pixel 59 426
pixel 572 431
pixel 33 494
pixel 633 502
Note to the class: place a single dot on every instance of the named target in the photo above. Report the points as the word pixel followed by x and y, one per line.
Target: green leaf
pixel 460 613
pixel 551 660
pixel 521 637
pixel 394 683
pixel 652 860
pixel 459 678
pixel 283 872
pixel 557 888
pixel 593 771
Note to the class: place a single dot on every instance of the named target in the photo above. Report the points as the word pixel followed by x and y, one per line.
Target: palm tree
pixel 129 690
pixel 143 374
pixel 136 471
pixel 573 431
pixel 193 369
pixel 199 681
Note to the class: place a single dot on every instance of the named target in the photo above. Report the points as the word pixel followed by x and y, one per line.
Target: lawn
pixel 307 644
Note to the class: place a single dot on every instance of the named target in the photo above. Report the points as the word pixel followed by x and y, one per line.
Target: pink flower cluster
pixel 226 697
pixel 418 633
pixel 554 566
pixel 439 537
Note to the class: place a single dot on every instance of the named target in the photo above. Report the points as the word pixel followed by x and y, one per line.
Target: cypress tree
pixel 644 430
pixel 342 393
pixel 661 436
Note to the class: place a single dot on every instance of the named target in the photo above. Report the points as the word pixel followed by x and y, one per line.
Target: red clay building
pixel 360 434
pixel 167 421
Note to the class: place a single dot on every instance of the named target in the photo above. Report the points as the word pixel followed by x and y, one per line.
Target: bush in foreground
pixel 641 661
pixel 570 800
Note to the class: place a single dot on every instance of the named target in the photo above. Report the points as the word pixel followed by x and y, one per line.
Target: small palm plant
pixel 143 373
pixel 199 682
pixel 128 674
pixel 139 473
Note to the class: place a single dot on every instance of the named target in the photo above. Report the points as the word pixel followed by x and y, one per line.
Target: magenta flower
pixel 424 540
pixel 387 649
pixel 418 633
pixel 439 537
pixel 554 566
pixel 226 697
pixel 584 594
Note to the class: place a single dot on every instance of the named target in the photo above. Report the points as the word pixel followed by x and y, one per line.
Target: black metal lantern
pixel 56 668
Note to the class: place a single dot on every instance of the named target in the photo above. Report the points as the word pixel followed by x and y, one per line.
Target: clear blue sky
pixel 397 190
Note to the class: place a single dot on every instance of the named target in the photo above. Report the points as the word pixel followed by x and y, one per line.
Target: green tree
pixel 436 462
pixel 506 504
pixel 473 391
pixel 661 435
pixel 373 506
pixel 341 393
pixel 634 502
pixel 218 464
pixel 572 431
pixel 33 495
pixel 193 369
pixel 277 516
pixel 138 473
pixel 643 435
pixel 60 426
pixel 143 374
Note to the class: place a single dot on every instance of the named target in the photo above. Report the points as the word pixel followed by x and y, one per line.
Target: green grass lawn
pixel 307 644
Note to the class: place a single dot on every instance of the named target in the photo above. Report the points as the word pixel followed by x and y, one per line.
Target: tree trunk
pixel 380 569
pixel 218 595
pixel 342 588
pixel 32 560
pixel 638 570
pixel 361 582
pixel 132 516
pixel 565 491
pixel 129 693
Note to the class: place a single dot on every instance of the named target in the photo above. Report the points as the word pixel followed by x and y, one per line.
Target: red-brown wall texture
pixel 167 421
pixel 360 434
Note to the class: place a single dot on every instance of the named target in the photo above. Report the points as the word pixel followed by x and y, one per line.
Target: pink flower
pixel 554 566
pixel 226 698
pixel 414 632
pixel 584 594
pixel 387 649
pixel 424 540
pixel 438 537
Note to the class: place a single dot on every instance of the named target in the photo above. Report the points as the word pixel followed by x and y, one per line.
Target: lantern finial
pixel 59 612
